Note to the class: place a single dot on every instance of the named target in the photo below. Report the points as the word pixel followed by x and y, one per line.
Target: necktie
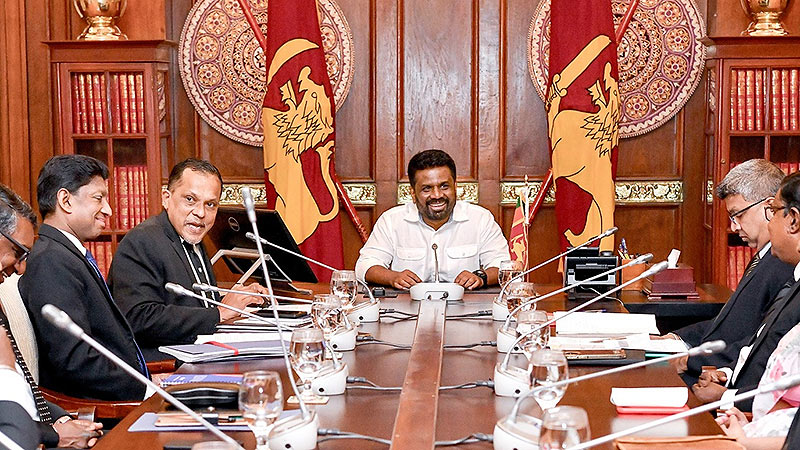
pixel 41 403
pixel 195 262
pixel 139 356
pixel 753 263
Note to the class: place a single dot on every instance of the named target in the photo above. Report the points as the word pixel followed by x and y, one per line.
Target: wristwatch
pixel 482 275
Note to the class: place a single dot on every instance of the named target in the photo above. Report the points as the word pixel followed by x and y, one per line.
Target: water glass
pixel 547 367
pixel 344 286
pixel 564 427
pixel 508 269
pixel 326 313
pixel 530 320
pixel 519 292
pixel 307 356
pixel 261 402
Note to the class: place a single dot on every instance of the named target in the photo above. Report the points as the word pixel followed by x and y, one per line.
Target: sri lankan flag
pixel 299 132
pixel 518 239
pixel 583 111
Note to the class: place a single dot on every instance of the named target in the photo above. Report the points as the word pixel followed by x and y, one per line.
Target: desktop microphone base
pixel 366 312
pixel 437 291
pixel 344 340
pixel 511 381
pixel 331 380
pixel 295 432
pixel 505 339
pixel 499 310
pixel 520 435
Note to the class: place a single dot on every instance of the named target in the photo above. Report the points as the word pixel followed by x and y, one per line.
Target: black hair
pixel 11 206
pixel 70 172
pixel 790 192
pixel 197 165
pixel 429 159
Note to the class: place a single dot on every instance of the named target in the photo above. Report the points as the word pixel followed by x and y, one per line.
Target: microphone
pixel 297 432
pixel 61 320
pixel 505 335
pixel 500 296
pixel 780 385
pixel 514 381
pixel 209 288
pixel 8 443
pixel 363 312
pixel 436 290
pixel 327 379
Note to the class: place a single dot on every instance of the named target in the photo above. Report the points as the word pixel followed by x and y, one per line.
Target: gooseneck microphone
pixel 436 290
pixel 513 381
pixel 364 312
pixel 61 320
pixel 780 385
pixel 505 335
pixel 602 235
pixel 299 433
pixel 435 263
pixel 8 442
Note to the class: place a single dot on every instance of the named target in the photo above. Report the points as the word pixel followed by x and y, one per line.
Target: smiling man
pixel 469 243
pixel 167 248
pixel 72 192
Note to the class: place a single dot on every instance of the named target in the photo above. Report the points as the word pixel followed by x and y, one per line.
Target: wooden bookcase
pixel 753 112
pixel 112 103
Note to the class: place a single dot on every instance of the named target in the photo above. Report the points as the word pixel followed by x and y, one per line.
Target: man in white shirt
pixel 783 214
pixel 469 244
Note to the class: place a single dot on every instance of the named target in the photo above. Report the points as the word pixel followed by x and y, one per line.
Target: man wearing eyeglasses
pixel 24 414
pixel 744 190
pixel 782 214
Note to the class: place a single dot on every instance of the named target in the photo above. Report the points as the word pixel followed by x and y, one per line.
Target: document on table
pixel 609 324
pixel 242 337
pixel 657 397
pixel 633 342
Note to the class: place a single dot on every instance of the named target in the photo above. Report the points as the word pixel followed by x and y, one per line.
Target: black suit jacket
pixel 782 316
pixel 740 318
pixel 150 256
pixel 18 425
pixel 58 273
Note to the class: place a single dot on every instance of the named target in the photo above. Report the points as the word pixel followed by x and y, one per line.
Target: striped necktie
pixel 41 404
pixel 753 263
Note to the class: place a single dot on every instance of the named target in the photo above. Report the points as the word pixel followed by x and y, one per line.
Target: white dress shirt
pixel 401 240
pixel 16 389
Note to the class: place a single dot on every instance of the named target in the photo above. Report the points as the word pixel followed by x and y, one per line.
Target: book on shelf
pixel 83 105
pixel 759 101
pixel 740 101
pixel 140 101
pixel 131 191
pixel 101 250
pixel 90 108
pixel 785 99
pixel 123 197
pixel 776 99
pixel 116 111
pixel 793 99
pixel 136 195
pixel 77 112
pixel 132 109
pixel 750 96
pixel 98 102
pixel 732 281
pixel 734 100
pixel 124 105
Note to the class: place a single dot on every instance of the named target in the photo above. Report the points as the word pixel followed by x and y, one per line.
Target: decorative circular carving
pixel 223 67
pixel 660 59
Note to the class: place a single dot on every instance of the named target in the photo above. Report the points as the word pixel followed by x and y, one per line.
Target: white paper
pixel 226 338
pixel 613 324
pixel 633 342
pixel 664 397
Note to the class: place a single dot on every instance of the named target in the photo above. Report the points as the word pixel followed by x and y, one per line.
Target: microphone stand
pixel 507 431
pixel 516 382
pixel 209 288
pixel 450 292
pixel 8 443
pixel 504 334
pixel 782 384
pixel 62 320
pixel 602 235
pixel 363 312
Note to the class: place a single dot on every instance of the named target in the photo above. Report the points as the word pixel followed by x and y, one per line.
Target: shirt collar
pixel 459 214
pixel 763 252
pixel 797 272
pixel 74 239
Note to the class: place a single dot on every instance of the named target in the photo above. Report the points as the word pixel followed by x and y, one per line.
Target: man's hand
pixel 240 300
pixel 667 336
pixel 709 387
pixel 469 280
pixel 680 364
pixel 6 352
pixel 404 279
pixel 78 433
pixel 712 376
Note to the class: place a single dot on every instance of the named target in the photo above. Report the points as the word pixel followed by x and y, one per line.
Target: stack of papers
pixel 654 397
pixel 258 326
pixel 219 351
pixel 632 342
pixel 607 324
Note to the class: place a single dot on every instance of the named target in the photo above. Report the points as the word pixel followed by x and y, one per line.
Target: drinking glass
pixel 326 313
pixel 307 356
pixel 519 292
pixel 261 402
pixel 344 286
pixel 564 427
pixel 508 270
pixel 547 367
pixel 528 321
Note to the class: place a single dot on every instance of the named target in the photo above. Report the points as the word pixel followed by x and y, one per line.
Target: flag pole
pixel 626 20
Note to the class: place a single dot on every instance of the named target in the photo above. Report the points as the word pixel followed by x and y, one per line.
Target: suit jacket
pixel 150 256
pixel 793 438
pixel 739 319
pixel 782 316
pixel 58 273
pixel 18 425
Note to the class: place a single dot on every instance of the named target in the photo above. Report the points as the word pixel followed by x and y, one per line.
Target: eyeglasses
pixel 769 211
pixel 22 252
pixel 738 213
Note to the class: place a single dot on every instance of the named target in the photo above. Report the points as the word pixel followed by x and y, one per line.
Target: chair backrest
pixel 20 323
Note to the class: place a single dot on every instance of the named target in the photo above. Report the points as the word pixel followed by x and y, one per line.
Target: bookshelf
pixel 112 104
pixel 753 112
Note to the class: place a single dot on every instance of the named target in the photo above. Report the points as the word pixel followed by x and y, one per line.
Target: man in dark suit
pixel 168 248
pixel 42 422
pixel 72 192
pixel 745 189
pixel 783 214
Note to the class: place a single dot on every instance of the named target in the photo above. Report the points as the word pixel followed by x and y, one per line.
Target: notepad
pixel 609 324
pixel 652 397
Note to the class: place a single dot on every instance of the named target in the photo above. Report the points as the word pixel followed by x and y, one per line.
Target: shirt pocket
pixel 462 251
pixel 410 253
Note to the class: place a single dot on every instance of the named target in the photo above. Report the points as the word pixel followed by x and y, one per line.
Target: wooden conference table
pixel 421 414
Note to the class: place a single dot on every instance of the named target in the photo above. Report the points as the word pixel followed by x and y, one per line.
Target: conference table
pixel 421 414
